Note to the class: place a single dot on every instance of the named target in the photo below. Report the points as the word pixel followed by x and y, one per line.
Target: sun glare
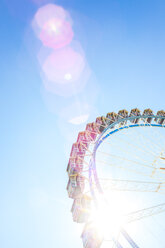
pixel 53 27
pixel 56 33
pixel 109 217
pixel 107 221
pixel 63 66
pixel 68 76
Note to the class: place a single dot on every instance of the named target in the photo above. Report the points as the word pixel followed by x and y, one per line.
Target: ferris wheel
pixel 116 175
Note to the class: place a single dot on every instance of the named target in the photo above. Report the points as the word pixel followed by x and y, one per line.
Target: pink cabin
pixel 75 186
pixel 76 163
pixel 71 164
pixel 74 150
pixel 83 147
pixel 101 122
pixel 80 209
pixel 79 162
pixel 91 131
pixel 90 237
pixel 81 137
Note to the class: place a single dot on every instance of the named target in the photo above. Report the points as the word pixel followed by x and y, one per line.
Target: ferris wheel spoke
pixel 121 167
pixel 127 152
pixel 155 130
pixel 129 170
pixel 143 143
pixel 140 158
pixel 143 213
pixel 131 144
pixel 152 167
pixel 149 140
pixel 161 140
pixel 125 159
pixel 127 185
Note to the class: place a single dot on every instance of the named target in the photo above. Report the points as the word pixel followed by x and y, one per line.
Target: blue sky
pixel 123 42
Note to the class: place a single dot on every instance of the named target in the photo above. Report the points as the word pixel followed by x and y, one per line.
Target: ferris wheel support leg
pixel 118 245
pixel 129 239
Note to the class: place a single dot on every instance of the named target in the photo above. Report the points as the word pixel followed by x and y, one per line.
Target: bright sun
pixel 108 218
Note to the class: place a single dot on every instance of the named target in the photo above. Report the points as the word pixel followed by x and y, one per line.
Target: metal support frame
pixel 129 239
pixel 116 242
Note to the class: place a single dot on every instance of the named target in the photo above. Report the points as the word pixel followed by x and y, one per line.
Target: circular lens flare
pixel 48 12
pixel 53 26
pixel 56 33
pixel 64 66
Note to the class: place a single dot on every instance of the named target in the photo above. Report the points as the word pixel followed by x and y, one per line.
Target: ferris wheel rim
pixel 130 118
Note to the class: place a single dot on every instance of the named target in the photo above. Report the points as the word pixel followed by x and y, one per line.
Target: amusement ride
pixel 116 173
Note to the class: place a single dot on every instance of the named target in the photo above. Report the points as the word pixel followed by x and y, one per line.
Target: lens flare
pixel 48 12
pixel 73 118
pixel 79 119
pixel 110 217
pixel 64 69
pixel 65 72
pixel 76 113
pixel 53 26
pixel 56 33
pixel 64 66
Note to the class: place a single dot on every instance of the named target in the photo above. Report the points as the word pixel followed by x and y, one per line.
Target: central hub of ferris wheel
pixel 92 190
